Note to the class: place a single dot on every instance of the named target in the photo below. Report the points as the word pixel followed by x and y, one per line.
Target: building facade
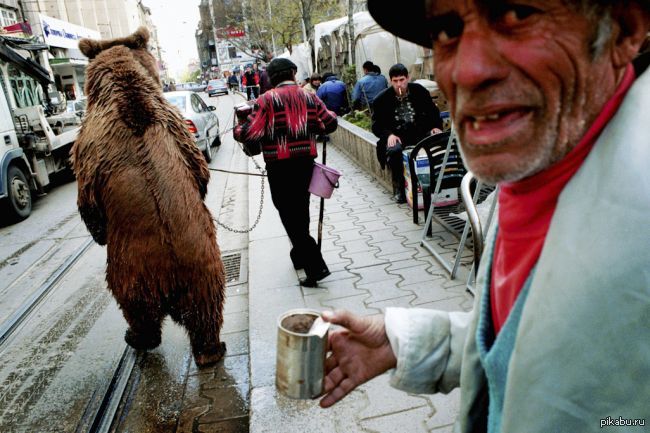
pixel 60 24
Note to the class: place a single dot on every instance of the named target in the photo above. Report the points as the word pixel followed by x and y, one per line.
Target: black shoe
pixel 312 280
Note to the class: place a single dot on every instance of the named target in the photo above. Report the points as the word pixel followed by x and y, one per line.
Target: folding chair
pixel 478 234
pixel 452 155
pixel 445 165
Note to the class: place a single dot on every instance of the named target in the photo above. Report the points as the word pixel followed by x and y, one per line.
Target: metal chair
pixel 445 165
pixel 474 220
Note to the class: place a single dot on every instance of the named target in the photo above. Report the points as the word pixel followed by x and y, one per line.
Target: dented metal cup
pixel 301 351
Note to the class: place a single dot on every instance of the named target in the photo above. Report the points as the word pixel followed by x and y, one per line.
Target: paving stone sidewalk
pixel 373 249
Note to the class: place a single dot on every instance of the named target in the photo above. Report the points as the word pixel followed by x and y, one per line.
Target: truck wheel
pixel 19 201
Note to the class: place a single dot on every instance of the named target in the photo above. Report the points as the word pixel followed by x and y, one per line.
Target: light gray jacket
pixel 582 351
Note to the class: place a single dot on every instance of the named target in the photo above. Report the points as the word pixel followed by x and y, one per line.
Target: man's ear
pixel 632 24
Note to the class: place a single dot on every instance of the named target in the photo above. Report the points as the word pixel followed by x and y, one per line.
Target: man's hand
pixel 393 140
pixel 360 351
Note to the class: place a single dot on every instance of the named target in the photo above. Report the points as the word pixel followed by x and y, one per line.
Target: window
pixel 8 17
pixel 196 104
pixel 27 92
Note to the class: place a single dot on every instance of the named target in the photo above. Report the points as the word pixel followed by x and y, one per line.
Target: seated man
pixel 402 115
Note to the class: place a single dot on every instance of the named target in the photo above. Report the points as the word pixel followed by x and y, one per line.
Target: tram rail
pixel 9 326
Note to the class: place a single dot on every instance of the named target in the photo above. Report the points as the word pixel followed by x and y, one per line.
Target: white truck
pixel 33 147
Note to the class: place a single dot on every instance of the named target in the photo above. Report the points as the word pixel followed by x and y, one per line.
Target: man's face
pixel 521 82
pixel 400 84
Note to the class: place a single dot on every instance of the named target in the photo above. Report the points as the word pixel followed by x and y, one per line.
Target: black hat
pixel 409 23
pixel 280 65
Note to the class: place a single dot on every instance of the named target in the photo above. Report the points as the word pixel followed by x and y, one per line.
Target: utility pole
pixel 214 35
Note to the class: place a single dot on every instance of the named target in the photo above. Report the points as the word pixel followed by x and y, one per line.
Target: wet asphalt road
pixel 57 365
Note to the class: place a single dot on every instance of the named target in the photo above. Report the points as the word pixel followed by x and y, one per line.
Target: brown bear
pixel 141 184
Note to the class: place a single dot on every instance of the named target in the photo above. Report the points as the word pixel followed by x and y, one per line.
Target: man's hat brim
pixel 408 21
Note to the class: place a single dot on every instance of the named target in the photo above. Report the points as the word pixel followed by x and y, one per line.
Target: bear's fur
pixel 141 184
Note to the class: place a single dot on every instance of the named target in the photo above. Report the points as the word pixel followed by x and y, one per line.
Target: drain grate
pixel 232 266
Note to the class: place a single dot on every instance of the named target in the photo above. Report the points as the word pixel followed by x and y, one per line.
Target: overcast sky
pixel 176 22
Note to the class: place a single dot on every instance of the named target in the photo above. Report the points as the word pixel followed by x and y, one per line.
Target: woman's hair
pixel 278 77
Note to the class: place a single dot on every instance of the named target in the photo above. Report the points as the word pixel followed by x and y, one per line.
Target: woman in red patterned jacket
pixel 286 123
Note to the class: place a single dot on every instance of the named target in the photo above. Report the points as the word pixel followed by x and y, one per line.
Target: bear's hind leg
pixel 145 321
pixel 202 319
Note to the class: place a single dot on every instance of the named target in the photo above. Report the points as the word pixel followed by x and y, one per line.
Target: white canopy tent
pixel 371 43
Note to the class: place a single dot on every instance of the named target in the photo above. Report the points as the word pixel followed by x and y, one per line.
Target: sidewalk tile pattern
pixel 373 250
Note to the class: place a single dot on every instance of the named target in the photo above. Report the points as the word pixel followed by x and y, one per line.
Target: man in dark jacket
pixel 286 124
pixel 403 114
pixel 334 94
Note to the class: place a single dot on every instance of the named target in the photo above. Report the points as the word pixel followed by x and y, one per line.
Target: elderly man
pixel 547 102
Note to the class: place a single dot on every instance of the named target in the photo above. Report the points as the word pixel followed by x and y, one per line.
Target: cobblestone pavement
pixel 373 249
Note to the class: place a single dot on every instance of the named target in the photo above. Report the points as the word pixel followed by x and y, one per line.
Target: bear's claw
pixel 210 356
pixel 141 341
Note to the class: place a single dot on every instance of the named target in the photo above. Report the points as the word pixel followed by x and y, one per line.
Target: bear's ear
pixel 139 39
pixel 89 47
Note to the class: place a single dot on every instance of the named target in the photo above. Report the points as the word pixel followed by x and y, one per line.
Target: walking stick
pixel 322 200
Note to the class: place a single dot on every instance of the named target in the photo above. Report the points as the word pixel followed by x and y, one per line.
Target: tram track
pixel 9 326
pixel 106 405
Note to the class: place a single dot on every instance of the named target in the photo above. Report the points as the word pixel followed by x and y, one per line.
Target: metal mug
pixel 300 362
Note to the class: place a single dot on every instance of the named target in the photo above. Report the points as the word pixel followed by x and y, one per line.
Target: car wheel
pixel 208 150
pixel 217 141
pixel 19 200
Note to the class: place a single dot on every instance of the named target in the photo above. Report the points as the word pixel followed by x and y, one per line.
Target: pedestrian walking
pixel 250 80
pixel 285 124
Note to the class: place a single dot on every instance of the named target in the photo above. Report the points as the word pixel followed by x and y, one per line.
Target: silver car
pixel 199 119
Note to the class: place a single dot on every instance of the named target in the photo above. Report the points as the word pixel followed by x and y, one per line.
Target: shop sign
pixel 58 33
pixel 231 32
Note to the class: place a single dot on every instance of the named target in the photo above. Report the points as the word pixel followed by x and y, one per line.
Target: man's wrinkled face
pixel 400 84
pixel 521 81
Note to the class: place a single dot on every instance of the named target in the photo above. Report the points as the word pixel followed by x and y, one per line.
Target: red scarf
pixel 525 211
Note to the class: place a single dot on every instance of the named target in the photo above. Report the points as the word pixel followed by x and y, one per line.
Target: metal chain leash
pixel 262 175
pixel 257 220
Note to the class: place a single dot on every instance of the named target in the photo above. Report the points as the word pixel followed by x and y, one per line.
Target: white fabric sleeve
pixel 428 345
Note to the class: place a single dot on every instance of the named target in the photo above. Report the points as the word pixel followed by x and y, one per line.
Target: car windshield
pixel 177 100
pixel 216 82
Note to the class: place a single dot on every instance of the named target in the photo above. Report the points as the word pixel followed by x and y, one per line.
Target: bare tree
pixel 284 23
